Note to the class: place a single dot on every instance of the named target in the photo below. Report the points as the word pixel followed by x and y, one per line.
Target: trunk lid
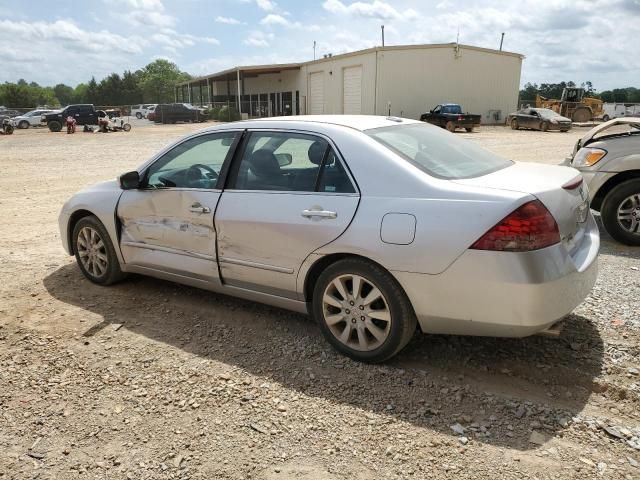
pixel 569 206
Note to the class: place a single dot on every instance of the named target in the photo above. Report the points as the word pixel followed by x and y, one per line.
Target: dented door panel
pixel 170 230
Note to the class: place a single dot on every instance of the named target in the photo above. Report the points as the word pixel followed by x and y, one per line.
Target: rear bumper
pixel 504 294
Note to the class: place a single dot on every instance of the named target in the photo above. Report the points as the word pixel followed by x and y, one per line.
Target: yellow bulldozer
pixel 573 104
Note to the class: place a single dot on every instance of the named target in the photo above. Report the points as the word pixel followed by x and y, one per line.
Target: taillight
pixel 530 227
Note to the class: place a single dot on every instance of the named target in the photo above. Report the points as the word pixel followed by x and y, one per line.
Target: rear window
pixel 437 152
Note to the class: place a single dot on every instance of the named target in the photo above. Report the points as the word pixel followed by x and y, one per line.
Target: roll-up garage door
pixel 352 96
pixel 316 93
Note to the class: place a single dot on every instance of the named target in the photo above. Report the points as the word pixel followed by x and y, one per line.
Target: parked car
pixel 300 213
pixel 538 119
pixel 151 116
pixel 615 110
pixel 29 119
pixel 84 114
pixel 8 113
pixel 450 116
pixel 141 111
pixel 609 158
pixel 178 112
pixel 150 112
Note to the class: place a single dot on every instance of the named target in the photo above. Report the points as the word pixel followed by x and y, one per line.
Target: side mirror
pixel 129 180
pixel 284 159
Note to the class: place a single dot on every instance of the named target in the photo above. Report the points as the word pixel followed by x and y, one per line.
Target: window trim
pixel 144 174
pixel 237 158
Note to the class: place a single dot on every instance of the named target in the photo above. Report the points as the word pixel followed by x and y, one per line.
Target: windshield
pixel 438 153
pixel 546 113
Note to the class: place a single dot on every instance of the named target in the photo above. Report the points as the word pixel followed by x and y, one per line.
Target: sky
pixel 69 41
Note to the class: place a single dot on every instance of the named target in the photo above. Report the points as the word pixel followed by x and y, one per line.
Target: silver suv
pixel 609 158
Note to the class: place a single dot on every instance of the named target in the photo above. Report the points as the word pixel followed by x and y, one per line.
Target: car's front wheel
pixel 54 126
pixel 363 311
pixel 23 124
pixel 94 252
pixel 621 212
pixel 138 115
pixel 514 124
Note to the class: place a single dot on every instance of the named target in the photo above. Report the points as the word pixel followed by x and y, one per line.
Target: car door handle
pixel 319 213
pixel 197 208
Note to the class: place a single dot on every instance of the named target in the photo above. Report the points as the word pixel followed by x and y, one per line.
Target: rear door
pixel 287 195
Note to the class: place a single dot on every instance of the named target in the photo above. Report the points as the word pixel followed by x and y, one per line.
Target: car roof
pixel 357 122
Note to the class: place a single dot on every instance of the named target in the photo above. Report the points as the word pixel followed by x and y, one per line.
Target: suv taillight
pixel 530 227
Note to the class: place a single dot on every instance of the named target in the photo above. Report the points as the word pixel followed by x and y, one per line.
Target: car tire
pixel 450 126
pixel 126 127
pixel 544 126
pixel 514 124
pixel 624 197
pixel 363 328
pixel 54 126
pixel 469 129
pixel 95 253
pixel 23 125
pixel 138 115
pixel 606 118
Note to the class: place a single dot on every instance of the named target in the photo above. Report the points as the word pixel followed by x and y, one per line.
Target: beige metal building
pixel 405 81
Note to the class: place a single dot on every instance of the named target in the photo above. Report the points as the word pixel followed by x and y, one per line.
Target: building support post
pixel 209 92
pixel 189 87
pixel 239 104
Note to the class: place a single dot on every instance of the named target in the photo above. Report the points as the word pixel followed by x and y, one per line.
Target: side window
pixel 281 161
pixel 195 163
pixel 334 178
pixel 437 109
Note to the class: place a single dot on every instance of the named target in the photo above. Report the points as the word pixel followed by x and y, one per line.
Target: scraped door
pixel 168 224
pixel 288 196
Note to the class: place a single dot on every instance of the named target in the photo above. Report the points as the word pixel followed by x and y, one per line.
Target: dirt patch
pixel 148 379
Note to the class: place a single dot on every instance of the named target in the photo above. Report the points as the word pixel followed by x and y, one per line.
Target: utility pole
pixel 382 27
pixel 501 40
pixel 314 49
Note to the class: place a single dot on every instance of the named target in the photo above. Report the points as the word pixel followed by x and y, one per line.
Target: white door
pixel 352 88
pixel 316 93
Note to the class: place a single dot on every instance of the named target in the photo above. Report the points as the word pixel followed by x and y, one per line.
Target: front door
pixel 288 194
pixel 167 224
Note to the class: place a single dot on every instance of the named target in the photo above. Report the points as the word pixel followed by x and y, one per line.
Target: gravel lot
pixel 152 380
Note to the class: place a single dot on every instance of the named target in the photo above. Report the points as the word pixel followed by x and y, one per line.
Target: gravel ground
pixel 152 380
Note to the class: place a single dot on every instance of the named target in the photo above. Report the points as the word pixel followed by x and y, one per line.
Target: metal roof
pixel 255 70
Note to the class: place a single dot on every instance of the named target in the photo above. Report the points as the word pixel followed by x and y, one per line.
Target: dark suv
pixel 85 114
pixel 178 112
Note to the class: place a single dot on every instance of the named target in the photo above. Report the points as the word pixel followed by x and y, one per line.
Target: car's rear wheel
pixel 126 127
pixel 621 212
pixel 23 124
pixel 544 127
pixel 55 126
pixel 450 126
pixel 362 310
pixel 469 129
pixel 606 118
pixel 94 252
pixel 514 124
pixel 138 115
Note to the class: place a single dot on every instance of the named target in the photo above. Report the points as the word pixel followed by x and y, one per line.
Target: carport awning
pixel 245 72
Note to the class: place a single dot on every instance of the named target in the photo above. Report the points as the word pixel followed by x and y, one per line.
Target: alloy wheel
pixel 356 312
pixel 92 252
pixel 629 213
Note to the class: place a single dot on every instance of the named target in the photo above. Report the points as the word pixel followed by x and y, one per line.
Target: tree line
pixel 152 84
pixel 554 90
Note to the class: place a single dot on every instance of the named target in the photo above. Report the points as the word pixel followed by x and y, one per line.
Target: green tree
pixel 158 80
pixel 64 94
pixel 92 90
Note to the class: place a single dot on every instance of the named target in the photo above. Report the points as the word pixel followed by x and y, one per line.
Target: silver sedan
pixel 375 226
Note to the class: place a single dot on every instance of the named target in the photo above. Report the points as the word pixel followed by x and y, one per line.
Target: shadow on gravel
pixel 499 390
pixel 609 246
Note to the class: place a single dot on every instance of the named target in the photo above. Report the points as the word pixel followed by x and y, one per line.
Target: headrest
pixel 316 152
pixel 264 163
